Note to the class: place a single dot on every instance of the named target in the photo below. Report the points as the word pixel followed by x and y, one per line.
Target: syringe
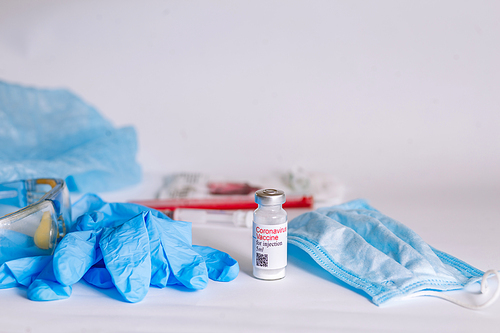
pixel 239 218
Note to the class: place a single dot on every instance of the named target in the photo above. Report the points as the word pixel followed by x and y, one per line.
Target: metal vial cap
pixel 270 196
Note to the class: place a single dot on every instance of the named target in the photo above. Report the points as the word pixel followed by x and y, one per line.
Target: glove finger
pixel 46 288
pixel 125 250
pixel 74 255
pixel 160 269
pixel 21 271
pixel 221 267
pixel 87 203
pixel 187 266
pixel 99 276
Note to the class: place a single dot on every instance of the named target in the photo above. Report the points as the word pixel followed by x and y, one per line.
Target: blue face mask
pixel 384 258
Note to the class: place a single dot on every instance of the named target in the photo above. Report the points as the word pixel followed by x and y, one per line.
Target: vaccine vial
pixel 269 253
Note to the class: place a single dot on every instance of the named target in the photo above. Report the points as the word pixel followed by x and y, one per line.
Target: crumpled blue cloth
pixel 53 133
pixel 375 253
pixel 121 245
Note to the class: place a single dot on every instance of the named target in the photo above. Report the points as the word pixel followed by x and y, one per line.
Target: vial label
pixel 269 245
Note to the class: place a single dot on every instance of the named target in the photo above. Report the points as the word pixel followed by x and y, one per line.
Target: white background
pixel 397 99
pixel 393 91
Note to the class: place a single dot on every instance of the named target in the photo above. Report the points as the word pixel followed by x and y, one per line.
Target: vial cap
pixel 270 196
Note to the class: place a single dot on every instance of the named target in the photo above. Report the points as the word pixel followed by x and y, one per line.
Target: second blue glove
pixel 130 247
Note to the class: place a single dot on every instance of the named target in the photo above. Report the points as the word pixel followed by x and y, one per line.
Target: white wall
pixel 373 92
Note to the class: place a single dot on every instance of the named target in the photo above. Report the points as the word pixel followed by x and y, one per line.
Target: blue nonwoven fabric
pixel 375 253
pixel 52 133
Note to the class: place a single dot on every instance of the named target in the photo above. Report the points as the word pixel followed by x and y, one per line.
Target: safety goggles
pixel 42 212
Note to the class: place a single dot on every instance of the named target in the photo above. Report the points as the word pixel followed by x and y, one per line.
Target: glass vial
pixel 269 252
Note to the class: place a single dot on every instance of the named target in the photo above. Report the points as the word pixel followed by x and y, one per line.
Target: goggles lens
pixel 38 211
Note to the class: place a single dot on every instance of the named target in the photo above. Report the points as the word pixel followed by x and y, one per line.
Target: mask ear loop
pixel 484 289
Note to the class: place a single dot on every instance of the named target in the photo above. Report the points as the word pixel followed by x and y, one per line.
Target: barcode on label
pixel 261 259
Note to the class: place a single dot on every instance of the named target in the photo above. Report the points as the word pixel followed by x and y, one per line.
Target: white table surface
pixel 462 222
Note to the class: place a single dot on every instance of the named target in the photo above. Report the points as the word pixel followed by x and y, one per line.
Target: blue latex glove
pixel 46 287
pixel 130 247
pixel 37 274
pixel 21 272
